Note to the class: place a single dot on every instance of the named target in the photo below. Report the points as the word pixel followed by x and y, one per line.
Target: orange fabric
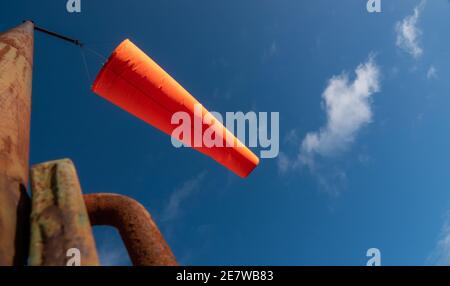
pixel 133 81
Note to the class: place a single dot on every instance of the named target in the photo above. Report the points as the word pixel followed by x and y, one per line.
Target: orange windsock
pixel 133 81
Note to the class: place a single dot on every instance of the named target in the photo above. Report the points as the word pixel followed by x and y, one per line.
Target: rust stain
pixel 4 51
pixel 14 222
pixel 16 59
pixel 59 220
pixel 143 240
pixel 6 146
pixel 20 39
pixel 15 100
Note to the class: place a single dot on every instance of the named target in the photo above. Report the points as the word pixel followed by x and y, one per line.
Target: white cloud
pixel 408 32
pixel 273 49
pixel 292 137
pixel 179 195
pixel 432 73
pixel 441 254
pixel 347 105
pixel 348 109
pixel 283 163
pixel 270 51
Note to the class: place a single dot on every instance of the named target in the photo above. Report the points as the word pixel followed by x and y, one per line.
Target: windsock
pixel 134 82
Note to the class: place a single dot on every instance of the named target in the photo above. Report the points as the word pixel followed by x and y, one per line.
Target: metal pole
pixel 16 62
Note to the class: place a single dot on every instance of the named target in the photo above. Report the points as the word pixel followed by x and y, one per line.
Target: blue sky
pixel 375 175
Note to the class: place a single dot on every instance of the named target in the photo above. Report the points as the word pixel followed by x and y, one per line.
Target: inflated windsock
pixel 134 82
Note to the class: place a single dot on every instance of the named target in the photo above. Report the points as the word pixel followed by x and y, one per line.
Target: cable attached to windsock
pixel 57 35
pixel 72 41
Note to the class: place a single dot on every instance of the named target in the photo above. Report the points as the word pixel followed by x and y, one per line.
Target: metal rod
pixel 59 36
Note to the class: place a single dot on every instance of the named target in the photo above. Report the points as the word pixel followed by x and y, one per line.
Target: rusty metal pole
pixel 143 240
pixel 16 63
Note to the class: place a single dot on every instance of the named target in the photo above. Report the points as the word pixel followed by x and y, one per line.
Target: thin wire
pixel 84 48
pixel 101 43
pixel 98 54
pixel 83 55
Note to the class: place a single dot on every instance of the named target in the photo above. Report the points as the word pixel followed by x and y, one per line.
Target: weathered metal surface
pixel 16 62
pixel 59 219
pixel 14 222
pixel 143 240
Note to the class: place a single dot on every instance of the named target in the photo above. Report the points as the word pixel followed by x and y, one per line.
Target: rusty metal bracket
pixel 59 220
pixel 143 240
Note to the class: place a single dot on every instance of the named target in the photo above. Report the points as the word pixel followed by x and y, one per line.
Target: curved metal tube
pixel 143 240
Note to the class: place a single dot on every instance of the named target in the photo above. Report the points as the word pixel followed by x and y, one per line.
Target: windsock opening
pixel 131 80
